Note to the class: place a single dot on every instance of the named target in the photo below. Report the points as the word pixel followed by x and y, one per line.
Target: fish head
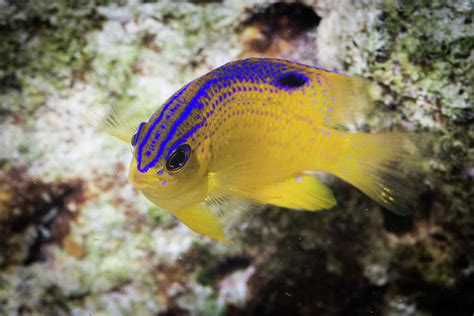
pixel 168 165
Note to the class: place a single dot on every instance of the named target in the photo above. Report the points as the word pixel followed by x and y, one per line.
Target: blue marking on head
pixel 150 130
pixel 186 136
pixel 193 104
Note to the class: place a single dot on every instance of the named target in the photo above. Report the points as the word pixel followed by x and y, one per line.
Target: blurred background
pixel 77 239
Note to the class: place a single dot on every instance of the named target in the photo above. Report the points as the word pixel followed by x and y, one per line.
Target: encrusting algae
pixel 255 130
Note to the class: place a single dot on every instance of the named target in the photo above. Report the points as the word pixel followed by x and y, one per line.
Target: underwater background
pixel 77 239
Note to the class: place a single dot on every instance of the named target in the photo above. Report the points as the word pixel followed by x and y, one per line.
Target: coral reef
pixel 77 239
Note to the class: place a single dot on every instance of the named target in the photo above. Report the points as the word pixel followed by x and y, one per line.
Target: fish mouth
pixel 138 180
pixel 141 182
pixel 150 184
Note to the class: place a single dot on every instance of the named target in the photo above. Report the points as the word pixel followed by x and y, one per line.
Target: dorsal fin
pixel 351 99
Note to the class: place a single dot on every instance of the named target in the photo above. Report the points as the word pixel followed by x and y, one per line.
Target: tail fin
pixel 382 166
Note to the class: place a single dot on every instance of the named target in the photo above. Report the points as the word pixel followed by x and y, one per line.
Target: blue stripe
pixel 202 92
pixel 136 136
pixel 150 130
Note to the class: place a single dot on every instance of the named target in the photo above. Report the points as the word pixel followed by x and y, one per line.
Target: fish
pixel 260 130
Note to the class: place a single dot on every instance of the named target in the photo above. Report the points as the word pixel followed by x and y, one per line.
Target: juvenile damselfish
pixel 258 130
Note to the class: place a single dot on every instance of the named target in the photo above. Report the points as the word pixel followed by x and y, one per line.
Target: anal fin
pixel 201 220
pixel 301 192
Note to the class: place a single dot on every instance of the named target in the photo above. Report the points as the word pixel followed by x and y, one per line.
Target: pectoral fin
pixel 201 220
pixel 302 192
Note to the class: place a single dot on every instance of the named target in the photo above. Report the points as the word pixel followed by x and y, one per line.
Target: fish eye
pixel 136 135
pixel 178 158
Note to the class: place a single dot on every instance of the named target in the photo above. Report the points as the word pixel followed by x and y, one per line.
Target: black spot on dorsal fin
pixel 291 80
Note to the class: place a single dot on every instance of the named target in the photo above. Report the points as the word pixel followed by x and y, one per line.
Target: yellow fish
pixel 255 130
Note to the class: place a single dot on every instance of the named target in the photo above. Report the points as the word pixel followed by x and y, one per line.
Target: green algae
pixel 421 56
pixel 42 47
